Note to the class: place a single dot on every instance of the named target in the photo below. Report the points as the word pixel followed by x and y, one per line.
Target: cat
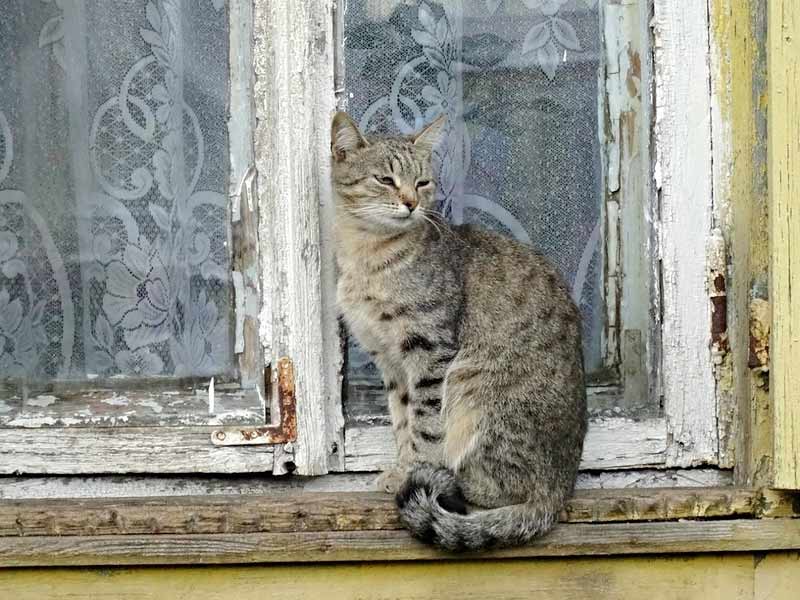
pixel 478 342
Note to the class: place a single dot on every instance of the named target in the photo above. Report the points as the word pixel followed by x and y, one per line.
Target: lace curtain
pixel 113 170
pixel 519 81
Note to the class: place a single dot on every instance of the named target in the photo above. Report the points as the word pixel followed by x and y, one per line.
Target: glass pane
pixel 519 81
pixel 114 257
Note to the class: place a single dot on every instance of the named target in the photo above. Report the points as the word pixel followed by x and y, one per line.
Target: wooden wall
pixel 741 576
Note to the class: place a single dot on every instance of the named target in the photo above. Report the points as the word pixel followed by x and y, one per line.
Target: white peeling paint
pixel 684 175
pixel 610 443
pixel 41 401
pixel 115 401
pixel 240 121
pixel 239 300
pixel 153 405
pixel 294 102
pixel 211 408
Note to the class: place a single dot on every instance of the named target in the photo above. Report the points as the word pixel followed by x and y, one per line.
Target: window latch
pixel 281 433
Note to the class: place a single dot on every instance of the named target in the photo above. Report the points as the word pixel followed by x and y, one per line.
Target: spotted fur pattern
pixel 478 342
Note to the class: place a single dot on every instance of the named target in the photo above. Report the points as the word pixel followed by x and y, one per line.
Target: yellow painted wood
pixel 740 199
pixel 777 577
pixel 783 55
pixel 720 577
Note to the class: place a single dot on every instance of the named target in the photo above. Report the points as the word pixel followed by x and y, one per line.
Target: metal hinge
pixel 281 433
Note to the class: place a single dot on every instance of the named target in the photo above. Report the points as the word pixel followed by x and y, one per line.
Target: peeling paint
pixel 41 401
pixel 758 348
pixel 684 169
pixel 152 404
pixel 115 401
pixel 294 101
pixel 738 36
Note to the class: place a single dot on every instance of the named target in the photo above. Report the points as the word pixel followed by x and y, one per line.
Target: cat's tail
pixel 433 508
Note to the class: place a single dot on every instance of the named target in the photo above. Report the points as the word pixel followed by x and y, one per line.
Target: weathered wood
pixel 738 48
pixel 603 506
pixel 683 179
pixel 245 262
pixel 784 190
pixel 650 478
pixel 293 89
pixel 200 515
pixel 127 486
pixel 154 407
pixel 777 576
pixel 778 504
pixel 125 450
pixel 728 577
pixel 631 338
pixel 299 512
pixel 577 539
pixel 740 210
pixel 610 443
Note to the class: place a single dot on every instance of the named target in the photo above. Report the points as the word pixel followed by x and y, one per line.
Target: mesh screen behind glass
pixel 113 171
pixel 519 81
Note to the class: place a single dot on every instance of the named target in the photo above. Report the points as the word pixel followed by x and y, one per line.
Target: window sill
pixel 332 527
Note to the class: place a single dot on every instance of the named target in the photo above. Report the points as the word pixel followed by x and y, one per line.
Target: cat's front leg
pixel 392 478
pixel 425 424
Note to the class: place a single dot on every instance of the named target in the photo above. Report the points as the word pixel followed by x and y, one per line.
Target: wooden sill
pixel 326 527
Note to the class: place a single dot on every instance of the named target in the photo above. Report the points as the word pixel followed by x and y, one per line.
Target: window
pixel 124 262
pixel 186 193
pixel 672 81
pixel 549 105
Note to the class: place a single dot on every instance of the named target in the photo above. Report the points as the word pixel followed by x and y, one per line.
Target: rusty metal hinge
pixel 283 432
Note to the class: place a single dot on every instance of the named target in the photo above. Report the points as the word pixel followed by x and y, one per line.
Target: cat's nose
pixel 409 203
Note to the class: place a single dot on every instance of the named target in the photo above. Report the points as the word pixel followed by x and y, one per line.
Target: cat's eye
pixel 423 183
pixel 386 181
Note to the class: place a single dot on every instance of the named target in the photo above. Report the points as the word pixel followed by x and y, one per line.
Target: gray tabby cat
pixel 478 342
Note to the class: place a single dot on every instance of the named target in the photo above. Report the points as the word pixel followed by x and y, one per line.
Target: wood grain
pixel 127 486
pixel 610 443
pixel 783 57
pixel 156 406
pixel 688 578
pixel 325 512
pixel 683 175
pixel 738 44
pixel 578 539
pixel 777 576
pixel 778 504
pixel 125 450
pixel 294 101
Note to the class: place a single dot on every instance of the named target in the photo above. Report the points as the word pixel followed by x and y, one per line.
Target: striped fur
pixel 478 342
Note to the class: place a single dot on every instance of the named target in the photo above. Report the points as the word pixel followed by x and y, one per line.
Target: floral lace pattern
pixel 518 80
pixel 113 224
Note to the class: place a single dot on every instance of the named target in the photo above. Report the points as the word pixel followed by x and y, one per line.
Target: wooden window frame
pixel 288 212
pixel 669 228
pixel 73 428
pixel 289 521
pixel 319 527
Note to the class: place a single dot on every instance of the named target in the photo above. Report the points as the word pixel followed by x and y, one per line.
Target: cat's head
pixel 384 183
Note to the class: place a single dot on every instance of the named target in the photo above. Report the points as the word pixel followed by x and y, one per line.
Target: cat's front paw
pixel 390 480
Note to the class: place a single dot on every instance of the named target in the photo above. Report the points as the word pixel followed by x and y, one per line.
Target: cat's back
pixel 504 276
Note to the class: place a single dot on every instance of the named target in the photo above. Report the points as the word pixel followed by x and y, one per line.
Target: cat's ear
pixel 345 136
pixel 431 135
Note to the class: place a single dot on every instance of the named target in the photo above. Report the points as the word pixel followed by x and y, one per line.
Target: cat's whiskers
pixel 437 220
pixel 432 222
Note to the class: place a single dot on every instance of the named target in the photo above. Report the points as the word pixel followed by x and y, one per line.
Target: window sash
pixel 293 100
pixel 162 426
pixel 678 374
